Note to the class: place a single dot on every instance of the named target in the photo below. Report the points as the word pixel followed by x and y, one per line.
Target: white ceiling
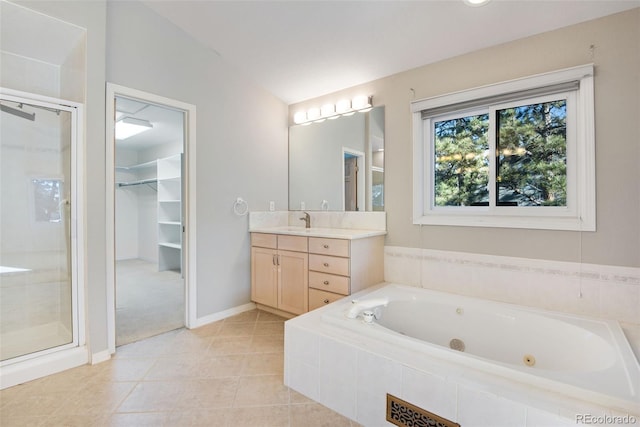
pixel 30 34
pixel 304 49
pixel 167 124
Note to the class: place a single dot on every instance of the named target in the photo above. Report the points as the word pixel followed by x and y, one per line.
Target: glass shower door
pixel 36 287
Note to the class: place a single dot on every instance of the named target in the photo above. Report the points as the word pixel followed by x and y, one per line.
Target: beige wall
pixel 616 55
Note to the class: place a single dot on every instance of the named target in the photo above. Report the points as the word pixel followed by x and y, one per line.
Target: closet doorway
pixel 150 140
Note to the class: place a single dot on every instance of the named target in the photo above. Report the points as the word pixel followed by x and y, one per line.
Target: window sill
pixel 507 221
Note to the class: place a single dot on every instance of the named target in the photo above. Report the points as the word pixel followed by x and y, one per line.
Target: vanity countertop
pixel 330 233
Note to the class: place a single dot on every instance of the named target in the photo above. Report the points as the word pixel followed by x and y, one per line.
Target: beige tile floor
pixel 228 373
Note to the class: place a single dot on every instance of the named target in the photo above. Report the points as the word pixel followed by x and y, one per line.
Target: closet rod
pixel 142 181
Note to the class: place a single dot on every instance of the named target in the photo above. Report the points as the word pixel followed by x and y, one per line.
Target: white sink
pixel 338 233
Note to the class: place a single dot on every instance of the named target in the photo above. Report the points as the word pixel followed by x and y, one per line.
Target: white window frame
pixel 580 212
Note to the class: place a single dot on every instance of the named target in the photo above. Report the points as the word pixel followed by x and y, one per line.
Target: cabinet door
pixel 293 295
pixel 264 276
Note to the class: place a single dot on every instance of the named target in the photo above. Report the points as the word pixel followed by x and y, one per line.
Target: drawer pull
pixel 326 282
pixel 326 301
pixel 326 264
pixel 325 246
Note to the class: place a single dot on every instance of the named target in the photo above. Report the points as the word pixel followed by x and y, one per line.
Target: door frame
pixel 360 194
pixel 189 203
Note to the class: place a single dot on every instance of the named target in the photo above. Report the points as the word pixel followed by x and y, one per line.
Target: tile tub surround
pixel 599 291
pixel 320 219
pixel 351 374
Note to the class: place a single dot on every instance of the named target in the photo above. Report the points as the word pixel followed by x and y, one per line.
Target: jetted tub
pixel 588 359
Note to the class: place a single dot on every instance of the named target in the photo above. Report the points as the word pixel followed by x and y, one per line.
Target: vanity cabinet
pixel 279 272
pixel 340 267
pixel 295 274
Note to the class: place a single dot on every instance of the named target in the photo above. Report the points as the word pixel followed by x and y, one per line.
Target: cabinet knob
pixel 326 264
pixel 326 301
pixel 325 246
pixel 326 282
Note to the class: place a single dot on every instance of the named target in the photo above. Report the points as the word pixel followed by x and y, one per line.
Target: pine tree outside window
pixel 516 154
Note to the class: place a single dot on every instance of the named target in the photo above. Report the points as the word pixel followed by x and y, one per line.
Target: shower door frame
pixel 76 235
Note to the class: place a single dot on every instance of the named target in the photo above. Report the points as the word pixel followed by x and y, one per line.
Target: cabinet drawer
pixel 329 264
pixel 335 247
pixel 319 298
pixel 329 282
pixel 264 240
pixel 292 243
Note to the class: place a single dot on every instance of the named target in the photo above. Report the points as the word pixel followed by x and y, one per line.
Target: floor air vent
pixel 404 414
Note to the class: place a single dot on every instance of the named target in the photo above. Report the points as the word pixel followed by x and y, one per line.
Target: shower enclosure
pixel 38 257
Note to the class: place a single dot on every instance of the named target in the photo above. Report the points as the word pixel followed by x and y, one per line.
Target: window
pixel 47 200
pixel 516 154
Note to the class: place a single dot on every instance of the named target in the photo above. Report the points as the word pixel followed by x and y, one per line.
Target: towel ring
pixel 240 207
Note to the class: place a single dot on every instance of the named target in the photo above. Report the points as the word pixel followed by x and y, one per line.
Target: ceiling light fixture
pixel 476 3
pixel 343 107
pixel 127 127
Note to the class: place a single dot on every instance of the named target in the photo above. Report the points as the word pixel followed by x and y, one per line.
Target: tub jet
pixel 529 360
pixel 456 344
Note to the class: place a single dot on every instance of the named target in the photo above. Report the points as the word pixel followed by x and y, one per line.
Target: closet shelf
pixel 170 245
pixel 150 164
pixel 169 218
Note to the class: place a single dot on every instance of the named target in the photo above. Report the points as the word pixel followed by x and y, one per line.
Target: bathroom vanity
pixel 297 269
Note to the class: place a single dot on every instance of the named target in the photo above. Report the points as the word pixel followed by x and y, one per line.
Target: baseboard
pixel 201 321
pixel 101 356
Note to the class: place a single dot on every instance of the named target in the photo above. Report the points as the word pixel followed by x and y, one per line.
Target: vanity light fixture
pixel 313 114
pixel 129 126
pixel 328 110
pixel 343 107
pixel 300 117
pixel 361 103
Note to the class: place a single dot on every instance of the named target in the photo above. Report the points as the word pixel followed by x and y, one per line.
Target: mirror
pixel 338 165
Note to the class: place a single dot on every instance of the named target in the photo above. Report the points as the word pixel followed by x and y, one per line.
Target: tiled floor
pixel 228 373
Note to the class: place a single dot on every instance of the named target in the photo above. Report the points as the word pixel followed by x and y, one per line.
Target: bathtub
pixel 582 358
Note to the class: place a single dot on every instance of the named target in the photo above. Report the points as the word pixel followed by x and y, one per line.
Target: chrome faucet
pixel 307 220
pixel 358 307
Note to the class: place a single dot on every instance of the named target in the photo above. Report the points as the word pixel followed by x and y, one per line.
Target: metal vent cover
pixel 404 414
